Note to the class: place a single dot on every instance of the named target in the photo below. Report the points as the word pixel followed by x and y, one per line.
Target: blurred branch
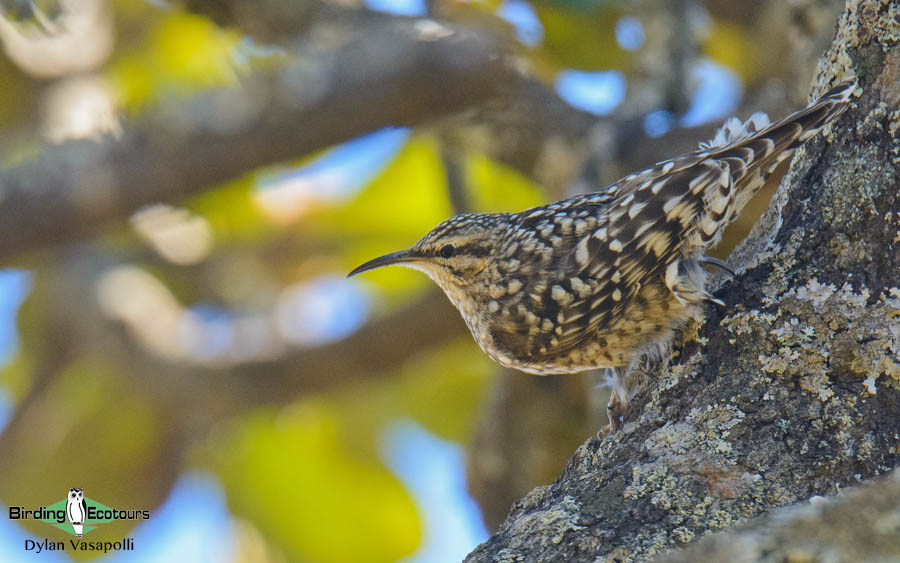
pixel 381 345
pixel 18 10
pixel 455 168
pixel 274 21
pixel 378 347
pixel 392 72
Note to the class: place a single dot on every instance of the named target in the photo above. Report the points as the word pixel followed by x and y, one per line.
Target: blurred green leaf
pixel 182 53
pixel 105 436
pixel 292 477
pixel 440 389
pixel 233 213
pixel 495 187
pixel 581 37
pixel 731 45
pixel 397 208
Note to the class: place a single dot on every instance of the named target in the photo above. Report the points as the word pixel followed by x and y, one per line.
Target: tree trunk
pixel 793 388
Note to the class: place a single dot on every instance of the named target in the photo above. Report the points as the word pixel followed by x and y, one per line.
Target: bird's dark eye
pixel 448 250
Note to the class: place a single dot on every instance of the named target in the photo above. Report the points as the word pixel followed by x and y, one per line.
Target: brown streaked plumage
pixel 597 280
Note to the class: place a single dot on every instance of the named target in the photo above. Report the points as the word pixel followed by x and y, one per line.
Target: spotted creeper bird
pixel 600 279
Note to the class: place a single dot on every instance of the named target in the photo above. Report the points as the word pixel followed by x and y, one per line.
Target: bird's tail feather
pixel 764 149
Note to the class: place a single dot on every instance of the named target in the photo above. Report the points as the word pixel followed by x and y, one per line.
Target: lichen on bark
pixel 788 392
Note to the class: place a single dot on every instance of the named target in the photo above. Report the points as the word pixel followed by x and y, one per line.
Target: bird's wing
pixel 638 235
pixel 584 259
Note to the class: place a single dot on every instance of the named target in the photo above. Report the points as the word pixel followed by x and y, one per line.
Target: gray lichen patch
pixel 862 525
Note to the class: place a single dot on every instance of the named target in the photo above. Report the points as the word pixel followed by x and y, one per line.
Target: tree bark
pixel 789 391
pixel 861 525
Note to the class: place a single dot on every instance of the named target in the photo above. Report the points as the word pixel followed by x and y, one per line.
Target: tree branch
pixel 393 72
pixel 791 390
pixel 859 525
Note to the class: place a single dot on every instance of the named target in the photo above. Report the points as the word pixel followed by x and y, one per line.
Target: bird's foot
pixel 710 261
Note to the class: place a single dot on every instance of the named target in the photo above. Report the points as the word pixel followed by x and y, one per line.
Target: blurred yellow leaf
pixel 14 95
pixel 88 429
pixel 291 477
pixel 495 187
pixel 398 207
pixel 440 389
pixel 731 45
pixel 408 198
pixel 232 212
pixel 443 391
pixel 581 38
pixel 183 53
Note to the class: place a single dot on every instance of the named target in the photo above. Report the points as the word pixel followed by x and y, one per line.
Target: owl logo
pixel 76 510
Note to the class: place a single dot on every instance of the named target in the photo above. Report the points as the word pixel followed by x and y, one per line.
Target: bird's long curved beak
pixel 386 260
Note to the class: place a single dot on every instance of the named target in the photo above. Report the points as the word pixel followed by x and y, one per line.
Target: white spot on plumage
pixel 671 203
pixel 659 185
pixel 560 295
pixel 513 286
pixel 581 227
pixel 697 184
pixel 718 204
pixel 635 209
pixel 657 242
pixel 617 295
pixel 681 211
pixel 581 252
pixel 643 228
pixel 758 121
pixel 627 200
pixel 600 234
pixel 580 288
pixel 615 245
pixel 733 131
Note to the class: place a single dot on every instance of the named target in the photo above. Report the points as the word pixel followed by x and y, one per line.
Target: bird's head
pixel 453 254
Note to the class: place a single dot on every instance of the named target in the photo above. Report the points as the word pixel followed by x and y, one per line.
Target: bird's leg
pixel 617 407
pixel 687 281
pixel 710 261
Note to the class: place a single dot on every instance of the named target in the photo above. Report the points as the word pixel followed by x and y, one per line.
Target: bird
pixel 76 510
pixel 603 279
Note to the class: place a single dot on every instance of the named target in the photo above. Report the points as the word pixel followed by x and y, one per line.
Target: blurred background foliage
pixel 204 357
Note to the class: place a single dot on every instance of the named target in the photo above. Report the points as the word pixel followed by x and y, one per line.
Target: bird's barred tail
pixel 749 152
pixel 756 150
